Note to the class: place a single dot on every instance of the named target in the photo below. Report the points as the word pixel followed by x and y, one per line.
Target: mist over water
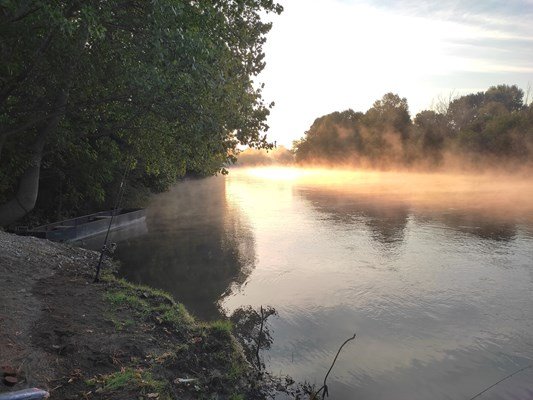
pixel 434 272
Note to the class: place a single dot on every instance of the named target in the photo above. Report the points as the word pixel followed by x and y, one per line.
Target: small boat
pixel 74 229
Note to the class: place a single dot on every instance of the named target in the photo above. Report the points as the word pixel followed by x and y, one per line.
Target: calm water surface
pixel 434 274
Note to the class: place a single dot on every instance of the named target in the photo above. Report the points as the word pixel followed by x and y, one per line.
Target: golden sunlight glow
pixel 278 173
pixel 496 194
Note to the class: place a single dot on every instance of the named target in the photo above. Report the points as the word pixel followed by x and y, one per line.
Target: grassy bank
pixel 193 358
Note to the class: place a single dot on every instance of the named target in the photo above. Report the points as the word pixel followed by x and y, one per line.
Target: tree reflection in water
pixel 387 216
pixel 197 246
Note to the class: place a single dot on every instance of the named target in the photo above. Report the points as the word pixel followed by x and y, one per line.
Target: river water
pixel 434 273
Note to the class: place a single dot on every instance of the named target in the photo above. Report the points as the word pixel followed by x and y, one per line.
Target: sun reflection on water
pixel 277 173
pixel 498 194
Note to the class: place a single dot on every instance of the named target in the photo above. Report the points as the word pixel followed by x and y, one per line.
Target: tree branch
pixel 12 130
pixel 324 388
pixel 23 14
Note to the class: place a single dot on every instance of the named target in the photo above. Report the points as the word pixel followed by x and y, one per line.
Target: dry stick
pixel 500 381
pixel 324 387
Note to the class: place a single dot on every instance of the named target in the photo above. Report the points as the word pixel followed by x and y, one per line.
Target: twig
pixel 324 388
pixel 500 381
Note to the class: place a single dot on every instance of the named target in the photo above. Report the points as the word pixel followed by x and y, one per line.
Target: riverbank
pixel 111 340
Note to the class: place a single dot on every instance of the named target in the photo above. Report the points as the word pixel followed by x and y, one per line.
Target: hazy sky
pixel 331 55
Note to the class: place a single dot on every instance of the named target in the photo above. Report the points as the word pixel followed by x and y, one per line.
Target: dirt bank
pixel 111 340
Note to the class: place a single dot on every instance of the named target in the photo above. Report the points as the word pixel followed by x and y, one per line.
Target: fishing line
pixel 500 381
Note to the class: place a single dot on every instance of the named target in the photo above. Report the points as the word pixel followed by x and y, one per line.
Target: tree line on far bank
pixel 492 128
pixel 91 88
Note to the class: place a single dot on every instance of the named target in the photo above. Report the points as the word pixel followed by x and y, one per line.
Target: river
pixel 434 273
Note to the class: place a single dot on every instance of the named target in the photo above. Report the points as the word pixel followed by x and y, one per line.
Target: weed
pixel 176 315
pixel 122 298
pixel 236 370
pixel 144 290
pixel 129 379
pixel 222 326
pixel 120 380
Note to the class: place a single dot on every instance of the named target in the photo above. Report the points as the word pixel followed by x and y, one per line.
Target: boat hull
pixel 89 225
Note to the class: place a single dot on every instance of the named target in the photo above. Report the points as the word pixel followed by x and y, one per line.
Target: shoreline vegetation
pixel 114 339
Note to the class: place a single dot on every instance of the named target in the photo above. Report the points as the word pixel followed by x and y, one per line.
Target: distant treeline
pixel 279 155
pixel 495 126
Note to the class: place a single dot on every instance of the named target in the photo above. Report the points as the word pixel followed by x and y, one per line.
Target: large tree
pixel 332 137
pixel 88 86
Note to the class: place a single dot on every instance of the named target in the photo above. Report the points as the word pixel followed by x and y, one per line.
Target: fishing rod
pixel 117 203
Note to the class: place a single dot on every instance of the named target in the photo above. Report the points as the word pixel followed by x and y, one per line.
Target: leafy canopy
pixel 164 85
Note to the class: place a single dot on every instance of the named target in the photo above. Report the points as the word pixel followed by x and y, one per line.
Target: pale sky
pixel 331 55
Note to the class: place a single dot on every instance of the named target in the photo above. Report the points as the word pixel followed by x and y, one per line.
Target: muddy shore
pixel 111 340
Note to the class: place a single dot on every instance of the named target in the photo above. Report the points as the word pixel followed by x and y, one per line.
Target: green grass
pixel 176 315
pixel 129 379
pixel 120 297
pixel 128 323
pixel 149 302
pixel 222 326
pixel 138 289
pixel 236 370
pixel 118 322
pixel 120 380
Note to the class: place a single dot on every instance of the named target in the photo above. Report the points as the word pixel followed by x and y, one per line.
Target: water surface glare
pixel 433 272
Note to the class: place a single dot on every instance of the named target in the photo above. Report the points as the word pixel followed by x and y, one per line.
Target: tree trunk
pixel 24 200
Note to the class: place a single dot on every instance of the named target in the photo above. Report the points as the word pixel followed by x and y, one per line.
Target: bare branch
pixel 324 388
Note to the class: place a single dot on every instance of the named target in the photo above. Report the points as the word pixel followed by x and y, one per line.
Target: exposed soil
pixel 111 340
pixel 26 265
